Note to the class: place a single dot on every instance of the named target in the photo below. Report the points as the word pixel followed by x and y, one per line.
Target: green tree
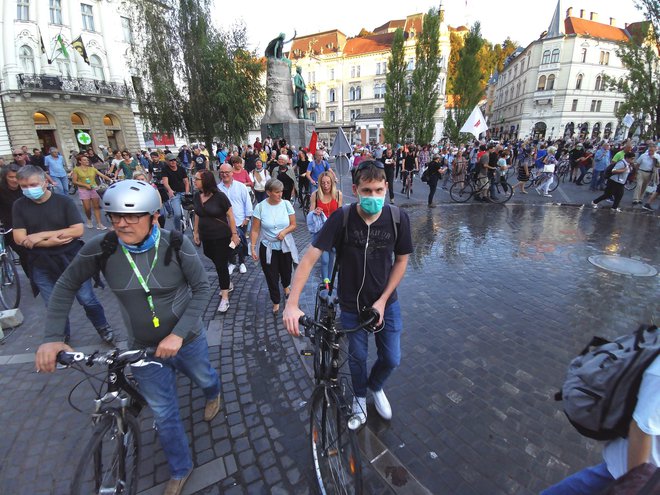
pixel 395 119
pixel 424 98
pixel 194 80
pixel 456 45
pixel 468 87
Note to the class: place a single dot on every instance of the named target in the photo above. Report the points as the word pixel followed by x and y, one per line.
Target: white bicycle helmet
pixel 131 196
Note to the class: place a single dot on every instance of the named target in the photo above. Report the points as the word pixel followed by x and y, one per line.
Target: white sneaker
pixel 547 195
pixel 224 306
pixel 231 267
pixel 89 224
pixel 242 268
pixel 594 205
pixel 382 404
pixel 359 410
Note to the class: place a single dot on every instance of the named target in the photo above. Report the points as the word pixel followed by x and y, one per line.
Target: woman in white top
pixel 259 176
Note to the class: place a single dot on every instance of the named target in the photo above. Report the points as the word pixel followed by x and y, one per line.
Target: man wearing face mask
pixel 368 278
pixel 49 227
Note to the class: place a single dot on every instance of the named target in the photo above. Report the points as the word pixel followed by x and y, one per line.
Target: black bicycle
pixel 336 458
pixel 474 186
pixel 110 461
pixel 10 284
pixel 305 201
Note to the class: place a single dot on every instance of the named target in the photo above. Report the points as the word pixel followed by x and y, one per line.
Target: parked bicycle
pixel 110 461
pixel 10 284
pixel 337 463
pixel 471 186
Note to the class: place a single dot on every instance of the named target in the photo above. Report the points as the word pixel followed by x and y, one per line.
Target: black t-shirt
pixel 156 170
pixel 175 177
pixel 213 223
pixel 199 161
pixel 409 160
pixel 433 170
pixel 250 163
pixel 287 181
pixel 302 166
pixel 7 198
pixel 389 162
pixel 39 161
pixel 57 213
pixel 378 259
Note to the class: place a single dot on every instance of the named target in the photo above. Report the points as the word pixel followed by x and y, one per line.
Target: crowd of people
pixel 246 211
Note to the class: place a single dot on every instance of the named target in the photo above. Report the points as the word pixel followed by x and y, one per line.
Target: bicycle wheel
pixel 334 450
pixel 503 192
pixel 109 463
pixel 555 182
pixel 587 177
pixel 10 284
pixel 305 204
pixel 461 191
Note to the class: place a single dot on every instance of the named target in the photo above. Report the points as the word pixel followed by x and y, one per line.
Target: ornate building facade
pixel 345 77
pixel 52 90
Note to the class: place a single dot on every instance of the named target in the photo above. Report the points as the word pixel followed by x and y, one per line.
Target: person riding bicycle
pixel 368 277
pixel 162 295
pixel 410 165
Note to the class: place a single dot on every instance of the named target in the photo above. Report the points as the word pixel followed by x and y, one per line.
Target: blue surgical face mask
pixel 371 204
pixel 34 193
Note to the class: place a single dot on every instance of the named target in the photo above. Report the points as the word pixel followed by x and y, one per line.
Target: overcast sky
pixel 522 20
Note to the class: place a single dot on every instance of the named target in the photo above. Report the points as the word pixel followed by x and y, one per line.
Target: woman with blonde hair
pixel 325 200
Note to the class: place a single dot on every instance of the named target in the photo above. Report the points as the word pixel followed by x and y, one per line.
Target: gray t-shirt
pixel 180 292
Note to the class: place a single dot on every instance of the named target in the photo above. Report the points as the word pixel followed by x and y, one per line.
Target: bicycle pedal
pixel 307 352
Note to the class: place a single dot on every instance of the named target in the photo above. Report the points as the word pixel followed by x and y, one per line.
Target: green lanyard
pixel 144 285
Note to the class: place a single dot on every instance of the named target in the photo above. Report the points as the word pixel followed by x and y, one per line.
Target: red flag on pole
pixel 312 142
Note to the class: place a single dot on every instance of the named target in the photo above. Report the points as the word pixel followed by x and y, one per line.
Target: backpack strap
pixel 176 241
pixel 108 247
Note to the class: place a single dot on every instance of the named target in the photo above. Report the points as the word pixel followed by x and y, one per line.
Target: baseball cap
pixel 170 157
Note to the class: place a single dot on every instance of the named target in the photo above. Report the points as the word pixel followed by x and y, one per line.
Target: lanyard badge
pixel 143 283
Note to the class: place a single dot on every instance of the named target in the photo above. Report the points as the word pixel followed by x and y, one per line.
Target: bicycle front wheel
pixel 555 182
pixel 109 463
pixel 10 284
pixel 334 450
pixel 461 191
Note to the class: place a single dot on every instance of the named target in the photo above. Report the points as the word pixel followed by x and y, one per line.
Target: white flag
pixel 476 123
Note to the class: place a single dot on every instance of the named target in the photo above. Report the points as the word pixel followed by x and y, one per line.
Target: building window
pixel 546 57
pixel 541 84
pixel 604 58
pixel 40 118
pixel 378 69
pixel 384 67
pixel 332 74
pixel 357 72
pixel 87 16
pixel 578 81
pixel 331 95
pixel 529 59
pixel 551 82
pixel 26 56
pixel 127 30
pixel 56 11
pixel 379 91
pixel 593 105
pixel 598 104
pixel 617 104
pixel 351 93
pixel 515 71
pixel 358 93
pixel 97 67
pixel 584 55
pixel 411 64
pixel 599 84
pixel 555 56
pixel 23 10
pixel 313 116
pixel 64 68
pixel 314 97
pixel 518 90
pixel 574 106
pixel 332 115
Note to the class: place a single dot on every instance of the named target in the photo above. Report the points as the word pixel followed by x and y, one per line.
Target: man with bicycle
pixel 163 290
pixel 368 277
pixel 175 180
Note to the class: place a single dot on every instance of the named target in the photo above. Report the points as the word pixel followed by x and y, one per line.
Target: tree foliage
pixel 395 119
pixel 456 45
pixel 468 84
pixel 194 79
pixel 424 98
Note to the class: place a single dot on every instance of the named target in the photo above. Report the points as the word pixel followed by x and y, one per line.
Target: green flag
pixel 62 46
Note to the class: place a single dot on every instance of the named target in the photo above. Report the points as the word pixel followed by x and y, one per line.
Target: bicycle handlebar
pixel 368 325
pixel 125 357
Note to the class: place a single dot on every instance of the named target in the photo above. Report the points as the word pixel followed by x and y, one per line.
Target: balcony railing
pixel 86 87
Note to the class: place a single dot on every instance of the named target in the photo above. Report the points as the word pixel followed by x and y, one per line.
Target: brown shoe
pixel 212 408
pixel 174 486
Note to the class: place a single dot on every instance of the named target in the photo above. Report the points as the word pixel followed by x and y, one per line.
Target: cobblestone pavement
pixel 496 301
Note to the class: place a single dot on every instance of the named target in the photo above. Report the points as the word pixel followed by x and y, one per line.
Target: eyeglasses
pixel 225 173
pixel 198 178
pixel 129 218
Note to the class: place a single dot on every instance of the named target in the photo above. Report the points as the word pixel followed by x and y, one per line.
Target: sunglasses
pixel 19 154
pixel 370 163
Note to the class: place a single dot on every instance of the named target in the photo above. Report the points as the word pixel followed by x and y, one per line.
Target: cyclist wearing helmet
pixel 162 305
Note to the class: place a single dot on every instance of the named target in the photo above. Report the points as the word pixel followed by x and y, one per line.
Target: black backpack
pixel 602 383
pixel 608 170
pixel 110 243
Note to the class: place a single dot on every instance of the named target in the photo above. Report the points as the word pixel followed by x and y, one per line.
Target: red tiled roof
pixel 390 25
pixel 369 44
pixel 415 22
pixel 325 42
pixel 585 27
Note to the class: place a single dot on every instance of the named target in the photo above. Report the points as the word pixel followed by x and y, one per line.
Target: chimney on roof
pixel 581 13
pixel 612 21
pixel 593 16
pixel 569 12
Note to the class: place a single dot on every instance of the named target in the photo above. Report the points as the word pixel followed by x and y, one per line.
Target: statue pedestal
pixel 280 119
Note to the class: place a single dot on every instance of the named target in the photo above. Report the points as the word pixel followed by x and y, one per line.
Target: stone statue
pixel 275 47
pixel 300 95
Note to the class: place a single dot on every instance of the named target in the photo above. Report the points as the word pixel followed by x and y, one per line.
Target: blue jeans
pixel 158 386
pixel 61 185
pixel 327 261
pixel 596 179
pixel 175 205
pixel 388 344
pixel 240 252
pixel 85 296
pixel 591 480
